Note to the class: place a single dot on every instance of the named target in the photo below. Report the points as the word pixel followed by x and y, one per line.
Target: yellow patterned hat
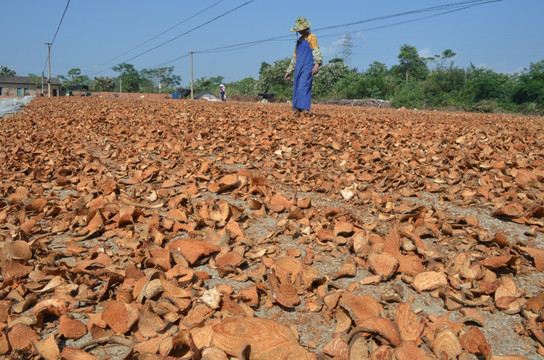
pixel 300 24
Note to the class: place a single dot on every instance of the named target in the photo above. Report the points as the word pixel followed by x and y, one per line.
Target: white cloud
pixel 335 48
pixel 426 53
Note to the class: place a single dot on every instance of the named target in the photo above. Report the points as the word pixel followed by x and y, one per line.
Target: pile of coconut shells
pixel 166 229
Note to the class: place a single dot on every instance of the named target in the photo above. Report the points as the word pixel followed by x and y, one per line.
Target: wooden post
pixel 48 69
pixel 192 93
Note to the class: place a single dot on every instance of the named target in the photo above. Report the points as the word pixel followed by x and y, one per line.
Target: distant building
pixel 23 85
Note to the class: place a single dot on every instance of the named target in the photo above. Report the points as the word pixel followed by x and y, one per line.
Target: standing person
pixel 223 94
pixel 305 64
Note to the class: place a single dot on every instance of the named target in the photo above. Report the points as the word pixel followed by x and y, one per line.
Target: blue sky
pixel 505 35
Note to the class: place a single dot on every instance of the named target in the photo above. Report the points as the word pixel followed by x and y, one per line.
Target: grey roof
pixel 24 80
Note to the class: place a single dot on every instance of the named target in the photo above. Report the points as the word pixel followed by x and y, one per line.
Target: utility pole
pixel 48 69
pixel 159 80
pixel 192 93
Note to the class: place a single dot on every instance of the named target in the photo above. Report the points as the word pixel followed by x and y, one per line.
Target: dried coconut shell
pixel 429 280
pixel 76 354
pixel 361 244
pixel 279 203
pixel 17 250
pixel 410 265
pixel 284 293
pixel 537 255
pixel 474 342
pixel 21 336
pixel 53 306
pixel 348 269
pixel 150 323
pixel 445 342
pixel 383 327
pixel 536 303
pixel 231 258
pixel 383 264
pixel 360 307
pixel 472 316
pixel 343 228
pixel 382 352
pixel 197 315
pixel 496 262
pixel 71 328
pixel 212 298
pixel 268 339
pixel 193 249
pixel 409 351
pixel 408 323
pixel 15 269
pixel 511 210
pixel 358 348
pixel 120 317
pixel 182 344
pixel 214 353
pixel 47 348
pixel 343 321
pixel 4 343
pixel 337 348
pixel 150 346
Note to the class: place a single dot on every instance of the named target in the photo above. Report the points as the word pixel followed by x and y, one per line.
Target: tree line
pixel 415 82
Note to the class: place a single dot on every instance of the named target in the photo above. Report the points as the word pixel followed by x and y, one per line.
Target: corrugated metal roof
pixel 24 80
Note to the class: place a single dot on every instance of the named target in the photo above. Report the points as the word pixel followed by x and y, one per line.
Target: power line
pixel 457 7
pixel 56 32
pixel 183 34
pixel 403 22
pixel 461 4
pixel 161 33
pixel 60 22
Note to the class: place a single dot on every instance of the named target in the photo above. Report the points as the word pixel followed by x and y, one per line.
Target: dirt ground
pixel 313 222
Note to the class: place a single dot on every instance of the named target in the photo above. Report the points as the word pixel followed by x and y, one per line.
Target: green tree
pixel 378 81
pixel 102 83
pixel 443 86
pixel 36 79
pixel 159 80
pixel 271 79
pixel 264 67
pixel 485 84
pixel 411 64
pixel 74 77
pixel 244 87
pixel 329 76
pixel 530 88
pixel 210 84
pixel 5 71
pixel 439 61
pixel 445 81
pixel 129 78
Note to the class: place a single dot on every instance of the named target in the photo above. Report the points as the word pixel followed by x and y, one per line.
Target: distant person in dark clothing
pixel 223 94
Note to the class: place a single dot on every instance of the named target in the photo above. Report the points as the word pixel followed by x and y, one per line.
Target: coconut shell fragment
pixel 446 343
pixel 47 348
pixel 120 316
pixel 429 280
pixel 267 339
pixel 21 336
